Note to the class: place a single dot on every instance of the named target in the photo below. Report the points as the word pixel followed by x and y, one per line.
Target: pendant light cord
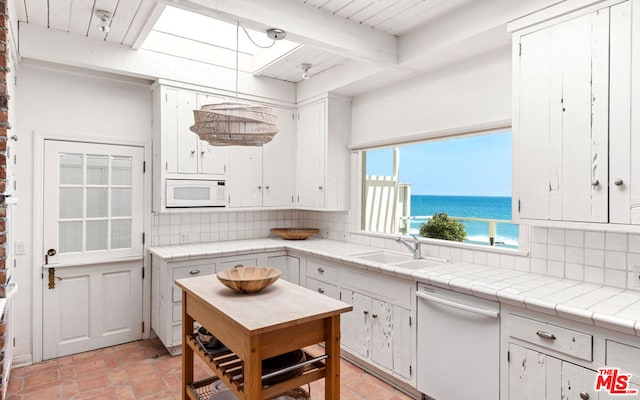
pixel 237 55
pixel 252 41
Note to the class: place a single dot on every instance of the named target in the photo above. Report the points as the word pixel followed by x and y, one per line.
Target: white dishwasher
pixel 458 345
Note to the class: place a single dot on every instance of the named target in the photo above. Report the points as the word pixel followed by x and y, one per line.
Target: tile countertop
pixel 607 307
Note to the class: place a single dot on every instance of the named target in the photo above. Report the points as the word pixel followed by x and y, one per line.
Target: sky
pixel 470 166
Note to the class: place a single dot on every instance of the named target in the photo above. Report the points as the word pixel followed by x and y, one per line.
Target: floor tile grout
pixel 144 370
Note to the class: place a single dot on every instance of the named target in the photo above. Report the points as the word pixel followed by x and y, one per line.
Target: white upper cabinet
pixel 572 115
pixel 323 135
pixel 255 176
pixel 264 175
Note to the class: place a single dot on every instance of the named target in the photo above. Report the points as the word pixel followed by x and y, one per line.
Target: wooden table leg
pixel 253 368
pixel 187 352
pixel 332 364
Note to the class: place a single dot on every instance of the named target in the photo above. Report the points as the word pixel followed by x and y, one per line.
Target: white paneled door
pixel 92 246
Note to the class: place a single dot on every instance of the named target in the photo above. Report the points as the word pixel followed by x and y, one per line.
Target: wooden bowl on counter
pixel 248 279
pixel 294 233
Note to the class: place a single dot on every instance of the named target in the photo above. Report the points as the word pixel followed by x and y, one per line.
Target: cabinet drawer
pixel 323 287
pixel 187 271
pixel 243 262
pixel 322 271
pixel 563 340
pixel 625 357
pixel 396 290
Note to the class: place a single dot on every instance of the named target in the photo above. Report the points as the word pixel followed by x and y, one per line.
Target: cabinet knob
pixel 374 315
pixel 584 395
pixel 193 152
pixel 238 266
pixel 321 270
pixel 618 182
pixel 194 272
pixel 319 187
pixel 595 182
pixel 266 187
pixel 202 153
pixel 320 290
pixel 366 312
pixel 259 187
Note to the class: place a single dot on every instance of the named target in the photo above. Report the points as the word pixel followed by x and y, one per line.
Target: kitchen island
pixel 281 318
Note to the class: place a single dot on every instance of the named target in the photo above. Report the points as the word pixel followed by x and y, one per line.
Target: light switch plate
pixel 20 250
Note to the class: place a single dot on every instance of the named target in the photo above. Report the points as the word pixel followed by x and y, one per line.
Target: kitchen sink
pixel 384 257
pixel 421 263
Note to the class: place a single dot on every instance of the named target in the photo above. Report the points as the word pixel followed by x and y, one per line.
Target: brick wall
pixel 4 127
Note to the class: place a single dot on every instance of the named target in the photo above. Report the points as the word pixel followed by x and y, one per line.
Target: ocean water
pixel 469 206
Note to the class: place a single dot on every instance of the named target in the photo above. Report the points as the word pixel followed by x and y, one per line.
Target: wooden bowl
pixel 248 279
pixel 294 233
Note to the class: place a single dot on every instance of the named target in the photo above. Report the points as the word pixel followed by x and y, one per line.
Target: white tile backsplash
pixel 588 256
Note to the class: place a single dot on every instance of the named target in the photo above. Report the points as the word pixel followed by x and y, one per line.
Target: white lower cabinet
pixel 548 358
pixel 289 265
pixel 537 376
pixel 166 297
pixel 379 331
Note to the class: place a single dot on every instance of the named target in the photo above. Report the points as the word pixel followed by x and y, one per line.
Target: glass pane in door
pixel 121 202
pixel 121 170
pixel 97 170
pixel 97 234
pixel 71 202
pixel 70 234
pixel 71 169
pixel 121 234
pixel 97 202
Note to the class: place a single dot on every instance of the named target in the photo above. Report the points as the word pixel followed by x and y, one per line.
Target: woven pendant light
pixel 235 124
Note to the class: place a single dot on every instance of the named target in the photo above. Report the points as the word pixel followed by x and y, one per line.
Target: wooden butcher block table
pixel 281 318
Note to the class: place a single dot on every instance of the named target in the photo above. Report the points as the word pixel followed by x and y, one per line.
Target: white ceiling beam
pixel 475 28
pixel 56 47
pixel 304 24
pixel 156 12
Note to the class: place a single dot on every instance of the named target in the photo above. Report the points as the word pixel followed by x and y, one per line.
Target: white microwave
pixel 182 193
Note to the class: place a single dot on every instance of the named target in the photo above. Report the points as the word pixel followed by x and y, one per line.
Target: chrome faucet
pixel 417 254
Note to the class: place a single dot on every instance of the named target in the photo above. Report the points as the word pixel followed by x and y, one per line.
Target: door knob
pixel 50 253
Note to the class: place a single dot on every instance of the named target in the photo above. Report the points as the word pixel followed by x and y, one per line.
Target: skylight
pixel 196 37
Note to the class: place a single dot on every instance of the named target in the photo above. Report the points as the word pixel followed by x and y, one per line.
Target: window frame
pixel 358 173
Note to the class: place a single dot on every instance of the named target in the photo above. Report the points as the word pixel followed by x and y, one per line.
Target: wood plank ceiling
pixel 129 24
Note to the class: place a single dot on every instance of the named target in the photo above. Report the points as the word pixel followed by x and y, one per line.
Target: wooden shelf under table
pixel 228 368
pixel 281 318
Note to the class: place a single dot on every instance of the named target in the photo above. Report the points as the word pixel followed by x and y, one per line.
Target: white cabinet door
pixel 245 176
pixel 311 134
pixel 289 265
pixel 533 375
pixel 622 178
pixel 585 102
pixel 403 343
pixel 573 119
pixel 578 382
pixel 278 163
pixel 212 159
pixel 187 141
pixel 382 346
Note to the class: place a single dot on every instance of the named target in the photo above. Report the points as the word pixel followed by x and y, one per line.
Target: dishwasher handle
pixel 463 307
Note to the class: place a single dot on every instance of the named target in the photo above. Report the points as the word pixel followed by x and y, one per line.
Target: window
pixel 467 177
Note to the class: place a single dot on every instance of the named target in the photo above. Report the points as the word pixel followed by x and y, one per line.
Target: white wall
pixel 68 105
pixel 473 92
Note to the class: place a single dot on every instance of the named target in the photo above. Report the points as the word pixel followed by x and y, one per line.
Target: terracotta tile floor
pixel 144 370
